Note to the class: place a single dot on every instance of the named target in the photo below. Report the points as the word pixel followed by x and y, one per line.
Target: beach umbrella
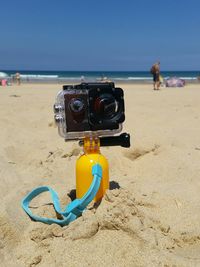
pixel 3 75
pixel 175 82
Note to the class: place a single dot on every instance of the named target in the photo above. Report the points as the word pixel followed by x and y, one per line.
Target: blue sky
pixel 99 35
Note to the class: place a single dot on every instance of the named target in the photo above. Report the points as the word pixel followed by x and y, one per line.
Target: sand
pixel 151 214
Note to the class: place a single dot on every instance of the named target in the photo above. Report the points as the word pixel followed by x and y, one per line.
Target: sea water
pixel 94 76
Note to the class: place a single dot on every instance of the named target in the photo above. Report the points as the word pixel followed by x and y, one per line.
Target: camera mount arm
pixel 122 140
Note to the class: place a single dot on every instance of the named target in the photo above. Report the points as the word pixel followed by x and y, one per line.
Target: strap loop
pixel 72 210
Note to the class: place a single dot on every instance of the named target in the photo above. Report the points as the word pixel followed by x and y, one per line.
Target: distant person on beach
pixel 104 79
pixel 155 71
pixel 82 79
pixel 18 78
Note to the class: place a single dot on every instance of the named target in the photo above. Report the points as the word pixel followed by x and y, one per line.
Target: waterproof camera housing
pixel 89 108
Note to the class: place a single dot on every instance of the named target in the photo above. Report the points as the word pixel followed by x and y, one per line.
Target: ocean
pixel 94 76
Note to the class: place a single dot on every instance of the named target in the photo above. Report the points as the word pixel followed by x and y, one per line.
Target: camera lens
pixel 106 106
pixel 76 105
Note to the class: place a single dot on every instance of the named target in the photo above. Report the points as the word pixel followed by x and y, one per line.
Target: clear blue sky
pixel 99 35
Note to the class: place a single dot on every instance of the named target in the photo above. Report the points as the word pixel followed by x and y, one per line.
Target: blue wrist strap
pixel 72 210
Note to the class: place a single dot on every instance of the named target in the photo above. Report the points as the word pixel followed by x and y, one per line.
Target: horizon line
pixel 162 70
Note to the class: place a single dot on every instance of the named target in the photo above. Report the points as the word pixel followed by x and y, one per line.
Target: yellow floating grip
pixel 84 165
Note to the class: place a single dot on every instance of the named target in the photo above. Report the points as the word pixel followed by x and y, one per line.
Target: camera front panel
pixel 76 111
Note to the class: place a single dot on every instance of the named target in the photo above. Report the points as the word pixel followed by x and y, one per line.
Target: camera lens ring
pixel 105 106
pixel 76 105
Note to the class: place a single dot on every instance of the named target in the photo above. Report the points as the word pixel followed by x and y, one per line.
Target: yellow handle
pixel 84 165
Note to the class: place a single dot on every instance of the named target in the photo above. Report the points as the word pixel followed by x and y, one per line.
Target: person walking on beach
pixel 155 71
pixel 18 78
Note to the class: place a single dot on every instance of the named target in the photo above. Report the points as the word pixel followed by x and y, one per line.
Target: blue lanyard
pixel 72 210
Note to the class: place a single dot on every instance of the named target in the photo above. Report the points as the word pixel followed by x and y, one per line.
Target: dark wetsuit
pixel 156 77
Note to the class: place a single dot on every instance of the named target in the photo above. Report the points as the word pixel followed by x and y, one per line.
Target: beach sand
pixel 151 215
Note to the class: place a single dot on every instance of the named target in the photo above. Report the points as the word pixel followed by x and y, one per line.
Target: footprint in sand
pixel 133 154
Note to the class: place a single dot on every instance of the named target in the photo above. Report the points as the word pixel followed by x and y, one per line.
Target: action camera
pixel 89 108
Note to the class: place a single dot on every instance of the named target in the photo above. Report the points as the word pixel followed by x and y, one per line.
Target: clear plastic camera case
pixel 63 108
